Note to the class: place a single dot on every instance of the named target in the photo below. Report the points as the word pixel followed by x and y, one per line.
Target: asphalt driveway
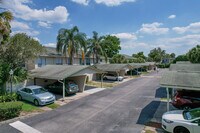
pixel 122 109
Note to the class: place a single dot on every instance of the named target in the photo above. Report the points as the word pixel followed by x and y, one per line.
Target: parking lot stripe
pixel 23 127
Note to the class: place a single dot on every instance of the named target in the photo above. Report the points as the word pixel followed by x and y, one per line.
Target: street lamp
pixel 11 78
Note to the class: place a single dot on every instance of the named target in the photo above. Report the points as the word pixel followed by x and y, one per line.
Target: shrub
pixel 10 110
pixel 8 97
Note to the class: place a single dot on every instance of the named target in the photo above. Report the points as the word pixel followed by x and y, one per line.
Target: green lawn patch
pixel 53 106
pixel 28 107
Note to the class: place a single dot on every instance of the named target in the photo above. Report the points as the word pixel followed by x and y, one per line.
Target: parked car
pixel 36 94
pixel 186 99
pixel 70 87
pixel 182 121
pixel 113 77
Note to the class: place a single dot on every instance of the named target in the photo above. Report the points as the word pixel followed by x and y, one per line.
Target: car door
pixel 29 95
pixel 196 126
pixel 23 93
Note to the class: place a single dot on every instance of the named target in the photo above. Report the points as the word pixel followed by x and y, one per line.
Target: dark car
pixel 70 87
pixel 186 99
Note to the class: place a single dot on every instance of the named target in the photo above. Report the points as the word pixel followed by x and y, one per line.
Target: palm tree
pixel 96 47
pixel 71 41
pixel 5 18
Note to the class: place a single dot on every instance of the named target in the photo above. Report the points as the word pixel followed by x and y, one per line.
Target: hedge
pixel 10 110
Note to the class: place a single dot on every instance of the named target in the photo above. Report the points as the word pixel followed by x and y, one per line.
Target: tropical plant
pixel 194 54
pixel 139 55
pixel 157 54
pixel 96 47
pixel 183 57
pixel 5 29
pixel 71 41
pixel 118 58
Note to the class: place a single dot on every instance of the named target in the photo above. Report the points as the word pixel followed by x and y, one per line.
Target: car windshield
pixel 39 91
pixel 191 114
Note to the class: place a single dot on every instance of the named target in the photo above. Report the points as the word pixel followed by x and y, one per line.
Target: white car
pixel 113 77
pixel 182 121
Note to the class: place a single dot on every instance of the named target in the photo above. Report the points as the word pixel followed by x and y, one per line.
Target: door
pixel 196 126
pixel 29 95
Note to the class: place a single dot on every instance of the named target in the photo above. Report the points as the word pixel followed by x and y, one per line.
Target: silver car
pixel 36 94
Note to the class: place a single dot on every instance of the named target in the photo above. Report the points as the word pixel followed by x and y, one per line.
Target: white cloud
pixel 28 32
pixel 21 10
pixel 37 39
pixel 193 28
pixel 187 40
pixel 131 45
pixel 50 45
pixel 19 25
pixel 44 24
pixel 83 2
pixel 172 16
pixel 113 2
pixel 153 29
pixel 126 36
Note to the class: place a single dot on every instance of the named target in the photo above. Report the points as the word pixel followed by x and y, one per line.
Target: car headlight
pixel 167 121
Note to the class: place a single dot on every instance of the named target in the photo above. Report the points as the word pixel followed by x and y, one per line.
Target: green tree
pixel 194 54
pixel 118 58
pixel 181 58
pixel 111 45
pixel 5 29
pixel 157 54
pixel 139 55
pixel 71 41
pixel 173 55
pixel 13 55
pixel 96 46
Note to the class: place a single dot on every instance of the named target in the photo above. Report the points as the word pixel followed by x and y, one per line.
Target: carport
pixel 51 73
pixel 180 80
pixel 185 67
pixel 119 69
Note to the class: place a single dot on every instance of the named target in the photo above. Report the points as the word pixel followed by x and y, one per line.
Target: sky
pixel 141 25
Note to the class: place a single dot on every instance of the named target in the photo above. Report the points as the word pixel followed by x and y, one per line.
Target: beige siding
pixel 80 81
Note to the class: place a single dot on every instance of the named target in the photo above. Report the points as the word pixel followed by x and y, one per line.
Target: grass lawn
pixel 98 84
pixel 53 106
pixel 28 107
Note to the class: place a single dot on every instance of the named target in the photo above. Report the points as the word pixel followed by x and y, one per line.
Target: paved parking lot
pixel 125 108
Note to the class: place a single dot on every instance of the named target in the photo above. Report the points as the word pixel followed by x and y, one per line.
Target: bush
pixel 8 97
pixel 10 110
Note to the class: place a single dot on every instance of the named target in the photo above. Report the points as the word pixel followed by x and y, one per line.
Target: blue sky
pixel 141 25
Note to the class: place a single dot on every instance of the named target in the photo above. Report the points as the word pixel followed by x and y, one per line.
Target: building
pixel 52 57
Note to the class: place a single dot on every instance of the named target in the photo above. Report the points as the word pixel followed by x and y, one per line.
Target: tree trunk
pixel 97 58
pixel 72 58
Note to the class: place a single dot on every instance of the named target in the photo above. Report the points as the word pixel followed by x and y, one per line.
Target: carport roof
pixel 185 67
pixel 59 72
pixel 137 65
pixel 112 67
pixel 181 80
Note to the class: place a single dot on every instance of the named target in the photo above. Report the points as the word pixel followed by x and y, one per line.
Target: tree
pixel 181 58
pixel 194 54
pixel 137 60
pixel 157 54
pixel 111 45
pixel 5 18
pixel 139 55
pixel 71 41
pixel 96 46
pixel 173 55
pixel 13 55
pixel 118 58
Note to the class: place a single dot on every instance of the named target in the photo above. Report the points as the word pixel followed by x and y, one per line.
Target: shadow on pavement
pixel 161 93
pixel 148 112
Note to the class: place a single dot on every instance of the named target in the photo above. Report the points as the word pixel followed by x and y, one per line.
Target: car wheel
pixel 181 130
pixel 19 97
pixel 36 102
pixel 186 107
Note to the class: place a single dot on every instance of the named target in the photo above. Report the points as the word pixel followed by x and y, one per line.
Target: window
pixel 59 61
pixel 28 91
pixel 88 61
